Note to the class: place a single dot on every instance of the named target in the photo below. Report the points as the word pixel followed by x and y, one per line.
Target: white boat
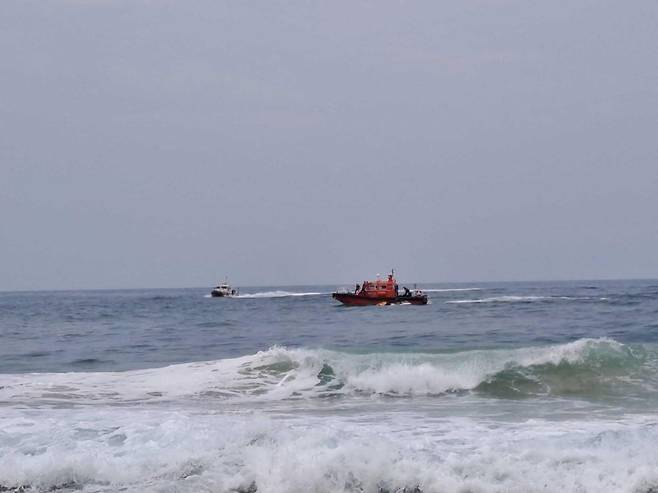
pixel 223 290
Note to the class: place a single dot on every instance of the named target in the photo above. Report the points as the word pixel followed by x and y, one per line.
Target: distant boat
pixel 380 292
pixel 223 290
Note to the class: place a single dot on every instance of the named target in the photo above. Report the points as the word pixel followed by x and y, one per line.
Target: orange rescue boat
pixel 380 292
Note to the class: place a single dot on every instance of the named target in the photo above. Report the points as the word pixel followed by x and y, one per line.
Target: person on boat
pixel 358 287
pixel 407 293
pixel 397 289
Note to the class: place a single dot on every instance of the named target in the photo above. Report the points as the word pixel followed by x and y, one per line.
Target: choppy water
pixel 514 387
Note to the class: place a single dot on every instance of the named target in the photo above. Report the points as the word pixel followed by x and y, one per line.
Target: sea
pixel 491 387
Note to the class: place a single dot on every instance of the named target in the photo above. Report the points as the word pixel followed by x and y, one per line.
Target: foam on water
pixel 186 451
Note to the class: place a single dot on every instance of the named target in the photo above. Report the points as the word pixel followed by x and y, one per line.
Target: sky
pixel 157 143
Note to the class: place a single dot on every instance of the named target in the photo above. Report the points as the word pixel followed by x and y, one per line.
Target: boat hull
pixel 351 299
pixel 219 294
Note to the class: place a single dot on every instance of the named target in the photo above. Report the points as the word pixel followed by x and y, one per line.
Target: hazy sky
pixel 168 143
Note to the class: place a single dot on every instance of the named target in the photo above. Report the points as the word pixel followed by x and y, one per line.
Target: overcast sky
pixel 170 143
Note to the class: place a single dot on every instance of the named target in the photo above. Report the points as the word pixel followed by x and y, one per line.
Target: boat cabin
pixel 381 288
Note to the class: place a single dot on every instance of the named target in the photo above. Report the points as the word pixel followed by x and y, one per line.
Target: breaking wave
pixel 72 432
pixel 590 367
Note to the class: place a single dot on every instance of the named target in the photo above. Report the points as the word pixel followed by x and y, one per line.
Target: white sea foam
pixel 149 450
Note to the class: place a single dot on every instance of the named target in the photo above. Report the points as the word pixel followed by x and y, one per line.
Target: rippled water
pixel 491 387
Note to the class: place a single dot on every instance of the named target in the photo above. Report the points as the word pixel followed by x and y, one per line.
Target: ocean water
pixel 492 387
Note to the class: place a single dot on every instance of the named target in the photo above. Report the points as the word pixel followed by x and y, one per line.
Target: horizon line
pixel 64 290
